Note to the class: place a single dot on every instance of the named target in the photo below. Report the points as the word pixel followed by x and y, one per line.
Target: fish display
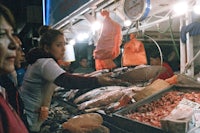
pixel 96 92
pixel 102 100
pixel 105 99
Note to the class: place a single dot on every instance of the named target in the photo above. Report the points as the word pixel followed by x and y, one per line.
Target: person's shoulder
pixel 83 70
pixel 46 60
pixel 91 69
pixel 78 69
pixel 43 63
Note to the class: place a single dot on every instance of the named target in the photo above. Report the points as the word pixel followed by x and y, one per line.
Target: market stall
pixel 143 102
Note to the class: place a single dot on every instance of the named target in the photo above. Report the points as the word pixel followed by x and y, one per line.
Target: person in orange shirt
pixel 134 52
pixel 155 60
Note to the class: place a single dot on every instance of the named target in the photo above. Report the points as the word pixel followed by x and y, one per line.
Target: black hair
pixel 49 36
pixel 37 53
pixel 43 29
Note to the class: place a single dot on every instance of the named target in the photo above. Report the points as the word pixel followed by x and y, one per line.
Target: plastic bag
pixel 108 45
pixel 134 53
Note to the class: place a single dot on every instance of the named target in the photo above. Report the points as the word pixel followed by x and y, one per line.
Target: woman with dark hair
pixel 9 120
pixel 43 29
pixel 44 73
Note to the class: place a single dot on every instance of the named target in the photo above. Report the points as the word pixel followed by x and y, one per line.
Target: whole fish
pixel 95 92
pixel 105 99
pixel 102 100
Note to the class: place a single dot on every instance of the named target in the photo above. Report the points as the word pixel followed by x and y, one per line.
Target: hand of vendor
pixel 106 80
pixel 44 112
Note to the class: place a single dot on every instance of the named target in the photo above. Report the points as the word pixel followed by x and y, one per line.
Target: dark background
pixel 28 16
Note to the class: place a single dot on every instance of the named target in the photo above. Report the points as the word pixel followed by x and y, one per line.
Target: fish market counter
pixel 174 110
pixel 158 112
pixel 61 111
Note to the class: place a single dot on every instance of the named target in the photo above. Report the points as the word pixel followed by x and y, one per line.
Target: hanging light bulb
pixel 181 7
pixel 127 23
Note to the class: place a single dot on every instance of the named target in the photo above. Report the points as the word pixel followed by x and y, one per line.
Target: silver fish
pixel 102 100
pixel 95 92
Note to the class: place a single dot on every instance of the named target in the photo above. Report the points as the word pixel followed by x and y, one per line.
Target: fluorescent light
pixel 181 7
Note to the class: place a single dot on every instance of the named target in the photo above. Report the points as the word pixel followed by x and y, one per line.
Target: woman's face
pixel 7 47
pixel 57 48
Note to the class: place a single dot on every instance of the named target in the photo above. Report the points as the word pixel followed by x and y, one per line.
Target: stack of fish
pixel 104 97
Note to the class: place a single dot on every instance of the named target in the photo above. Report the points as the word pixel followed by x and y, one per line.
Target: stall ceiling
pixel 160 18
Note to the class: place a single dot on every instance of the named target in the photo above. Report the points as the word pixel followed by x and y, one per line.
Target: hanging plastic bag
pixel 134 53
pixel 108 45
